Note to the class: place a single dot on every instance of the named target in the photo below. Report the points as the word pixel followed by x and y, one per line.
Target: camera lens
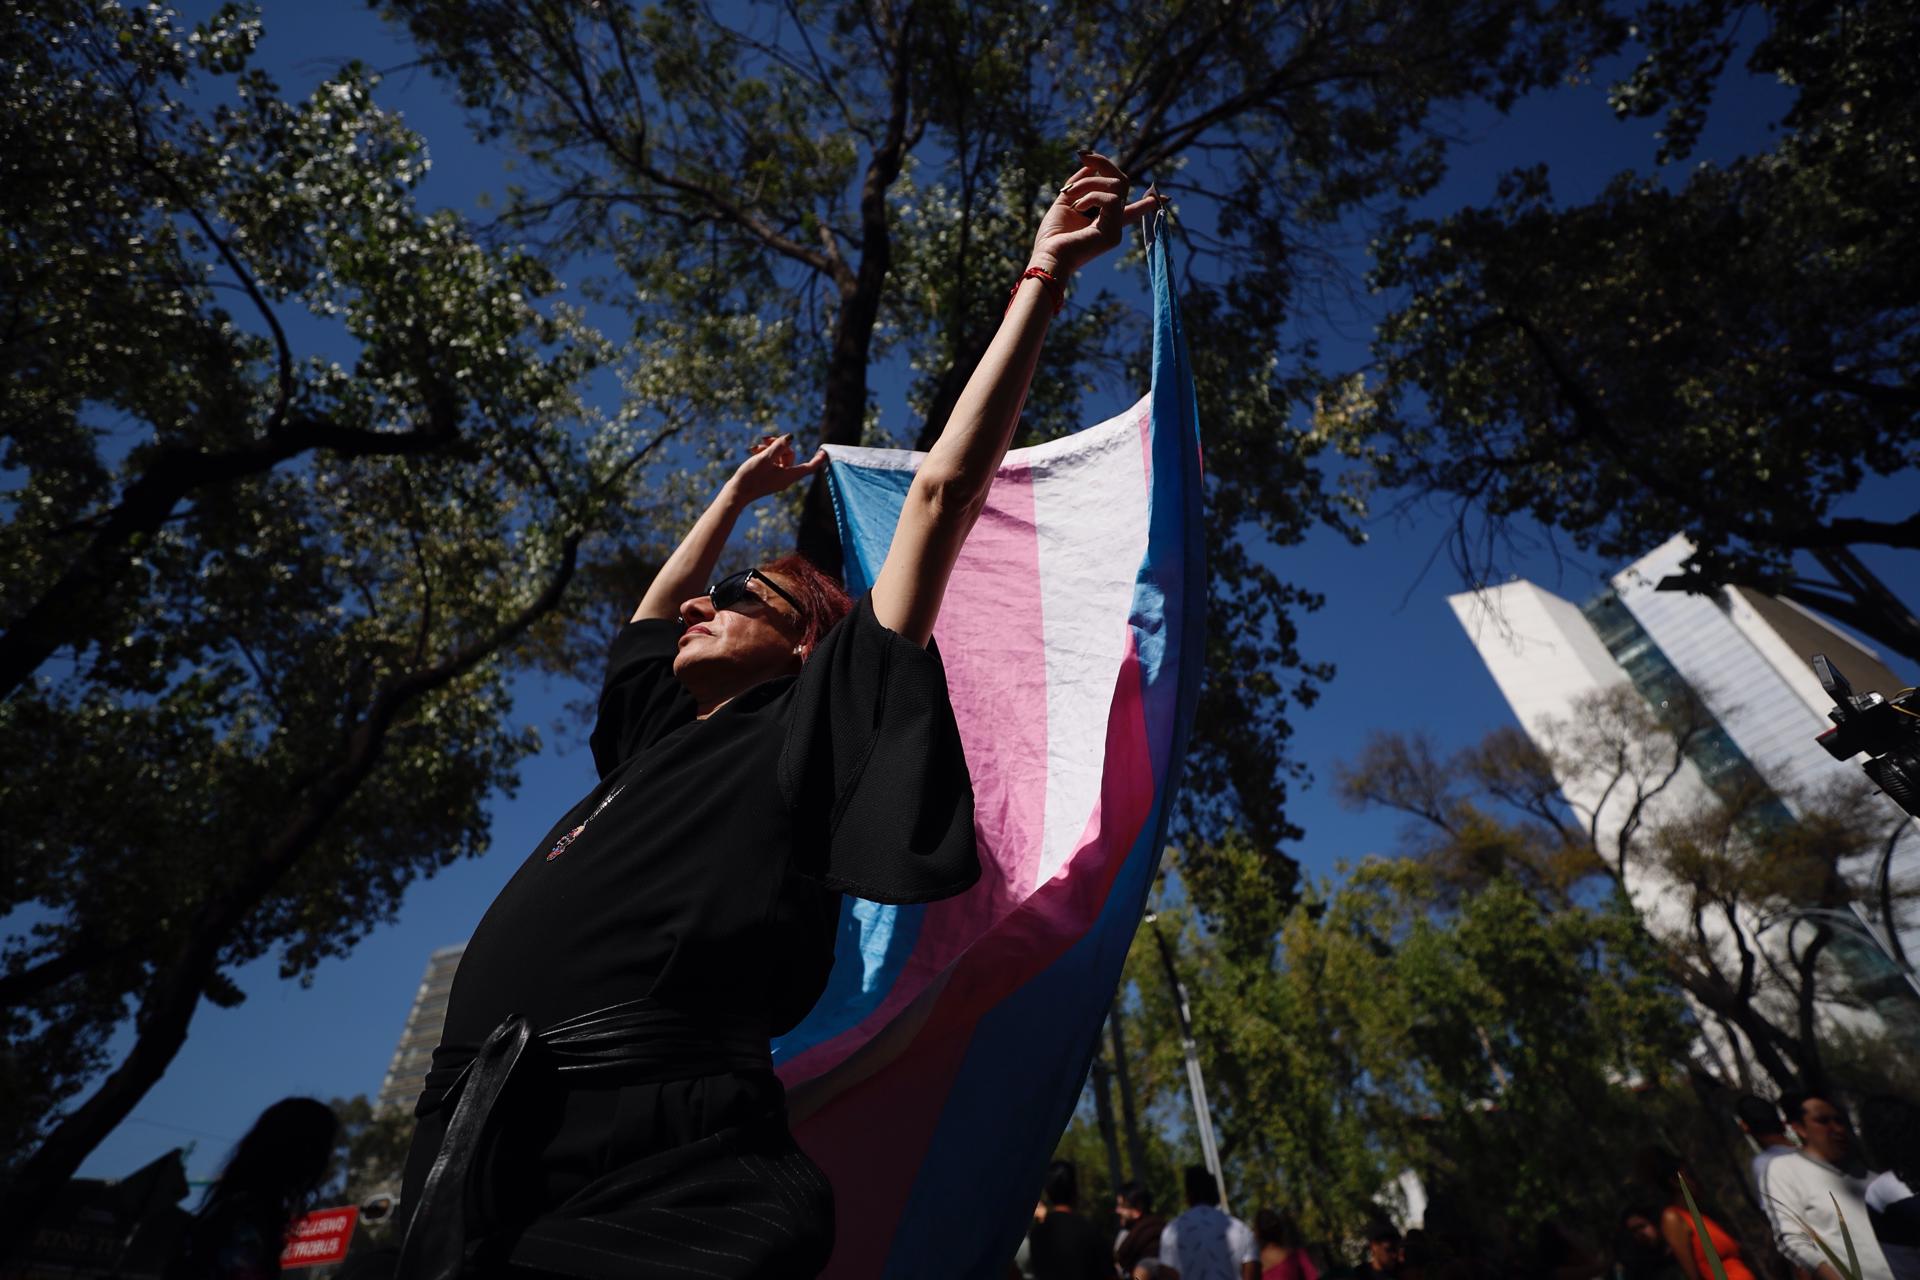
pixel 1899 776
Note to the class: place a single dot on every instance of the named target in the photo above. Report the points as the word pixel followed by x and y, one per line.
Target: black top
pixel 705 868
pixel 237 1236
pixel 1142 1240
pixel 1065 1246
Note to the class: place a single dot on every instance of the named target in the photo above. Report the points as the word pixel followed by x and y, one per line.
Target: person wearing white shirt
pixel 1891 1127
pixel 1896 1222
pixel 1760 1121
pixel 1811 1193
pixel 1206 1243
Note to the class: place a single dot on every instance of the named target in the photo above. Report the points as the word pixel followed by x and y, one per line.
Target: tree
pixel 1583 947
pixel 371 1155
pixel 1729 355
pixel 1732 884
pixel 1389 1028
pixel 847 183
pixel 293 466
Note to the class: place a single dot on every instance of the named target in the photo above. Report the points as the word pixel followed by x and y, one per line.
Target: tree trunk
pixel 1772 1052
pixel 843 410
pixel 1129 1121
pixel 164 1016
pixel 843 413
pixel 1103 1113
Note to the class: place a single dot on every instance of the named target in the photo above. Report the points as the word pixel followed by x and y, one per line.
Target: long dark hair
pixel 279 1164
pixel 1659 1169
pixel 1270 1226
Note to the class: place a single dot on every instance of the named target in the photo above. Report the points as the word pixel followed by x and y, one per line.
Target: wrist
pixel 734 497
pixel 1052 266
pixel 1050 285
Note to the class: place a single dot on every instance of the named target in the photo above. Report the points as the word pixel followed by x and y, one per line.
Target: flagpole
pixel 1196 1083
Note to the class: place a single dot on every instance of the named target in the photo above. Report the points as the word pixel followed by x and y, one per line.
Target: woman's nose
pixel 698 609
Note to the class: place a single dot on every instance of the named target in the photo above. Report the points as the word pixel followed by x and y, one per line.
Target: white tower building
pixel 1747 658
pixel 414 1054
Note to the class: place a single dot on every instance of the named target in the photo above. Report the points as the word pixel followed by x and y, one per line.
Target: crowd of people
pixel 1808 1176
pixel 1812 1182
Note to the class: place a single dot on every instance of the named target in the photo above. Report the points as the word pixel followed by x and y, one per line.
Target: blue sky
pixel 1403 661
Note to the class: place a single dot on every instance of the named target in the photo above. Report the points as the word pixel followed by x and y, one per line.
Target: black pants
pixel 695 1177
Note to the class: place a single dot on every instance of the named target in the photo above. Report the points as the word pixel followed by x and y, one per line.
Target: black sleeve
pixel 640 699
pixel 873 770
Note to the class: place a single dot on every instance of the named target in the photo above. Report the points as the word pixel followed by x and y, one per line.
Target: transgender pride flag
pixel 934 1077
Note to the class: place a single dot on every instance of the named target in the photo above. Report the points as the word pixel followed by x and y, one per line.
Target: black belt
pixel 639 1042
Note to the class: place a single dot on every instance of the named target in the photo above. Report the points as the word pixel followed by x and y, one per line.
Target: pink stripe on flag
pixel 994 647
pixel 1059 912
pixel 911 1088
pixel 992 644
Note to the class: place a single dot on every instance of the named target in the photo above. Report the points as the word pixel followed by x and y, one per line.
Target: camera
pixel 1888 730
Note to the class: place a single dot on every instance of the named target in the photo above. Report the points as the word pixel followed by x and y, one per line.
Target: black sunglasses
pixel 731 591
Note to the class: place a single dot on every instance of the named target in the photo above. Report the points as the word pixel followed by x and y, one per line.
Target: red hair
pixel 823 601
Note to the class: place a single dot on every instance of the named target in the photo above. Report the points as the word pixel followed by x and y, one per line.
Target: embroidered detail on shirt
pixel 560 846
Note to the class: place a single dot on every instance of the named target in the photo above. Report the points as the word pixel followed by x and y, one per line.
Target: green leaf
pixel 1705 1241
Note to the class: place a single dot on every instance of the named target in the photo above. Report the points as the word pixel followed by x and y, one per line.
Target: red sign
pixel 321 1236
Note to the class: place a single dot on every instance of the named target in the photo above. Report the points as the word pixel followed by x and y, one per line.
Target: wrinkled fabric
pixel 1073 627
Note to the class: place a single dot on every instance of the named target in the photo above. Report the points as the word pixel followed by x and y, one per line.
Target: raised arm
pixel 689 570
pixel 950 488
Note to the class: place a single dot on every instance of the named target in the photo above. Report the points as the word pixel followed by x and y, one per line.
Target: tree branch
pixel 60 615
pixel 182 978
pixel 23 985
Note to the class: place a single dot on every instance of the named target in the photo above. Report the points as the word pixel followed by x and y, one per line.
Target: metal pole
pixel 1203 1118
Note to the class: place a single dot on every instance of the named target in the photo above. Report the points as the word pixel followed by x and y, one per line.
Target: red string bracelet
pixel 1047 281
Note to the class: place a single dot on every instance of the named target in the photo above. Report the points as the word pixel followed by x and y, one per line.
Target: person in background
pixel 1065 1246
pixel 1640 1251
pixel 1282 1257
pixel 1892 1130
pixel 1662 1169
pixel 1205 1242
pixel 1136 1252
pixel 1760 1121
pixel 1417 1254
pixel 1811 1192
pixel 1022 1266
pixel 267 1184
pixel 1562 1252
pixel 1386 1252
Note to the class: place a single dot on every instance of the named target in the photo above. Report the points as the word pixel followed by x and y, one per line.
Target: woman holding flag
pixel 763 747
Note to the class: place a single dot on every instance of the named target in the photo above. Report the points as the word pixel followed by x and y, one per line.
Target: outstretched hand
pixel 771 467
pixel 1088 217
